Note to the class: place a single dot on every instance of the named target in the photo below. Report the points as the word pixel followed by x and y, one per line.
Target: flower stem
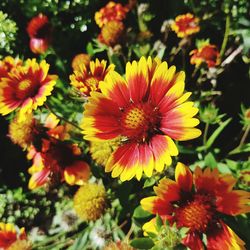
pixel 244 137
pixel 205 134
pixel 226 35
pixel 61 117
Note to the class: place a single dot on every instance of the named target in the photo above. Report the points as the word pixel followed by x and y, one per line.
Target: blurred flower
pixel 111 33
pixel 118 246
pixel 98 236
pixel 90 201
pixel 8 30
pixel 148 110
pixel 210 114
pixel 185 25
pixel 87 79
pixel 111 12
pixel 9 235
pixel 21 245
pixel 26 88
pixel 199 209
pixel 245 177
pixel 101 150
pixel 21 132
pixel 8 64
pixel 207 53
pixel 80 59
pixel 57 161
pixel 39 30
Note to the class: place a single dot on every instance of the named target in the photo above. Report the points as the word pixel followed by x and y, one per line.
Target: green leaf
pixel 159 222
pixel 223 168
pixel 149 183
pixel 142 243
pixel 90 49
pixel 140 213
pixel 210 161
pixel 217 132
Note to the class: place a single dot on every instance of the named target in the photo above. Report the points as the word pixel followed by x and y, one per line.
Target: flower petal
pixel 183 177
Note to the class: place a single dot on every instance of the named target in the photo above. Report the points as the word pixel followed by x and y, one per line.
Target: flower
pixel 21 245
pixel 90 201
pixel 8 64
pixel 101 150
pixel 80 59
pixel 111 33
pixel 39 31
pixel 147 110
pixel 22 132
pixel 9 235
pixel 185 25
pixel 208 54
pixel 87 79
pixel 199 209
pixel 111 12
pixel 119 245
pixel 57 161
pixel 26 88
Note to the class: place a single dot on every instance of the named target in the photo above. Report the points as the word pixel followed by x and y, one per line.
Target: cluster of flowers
pixel 135 119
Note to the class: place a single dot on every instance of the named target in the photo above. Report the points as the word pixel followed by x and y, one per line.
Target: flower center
pixel 24 85
pixel 196 214
pixel 140 121
pixel 134 118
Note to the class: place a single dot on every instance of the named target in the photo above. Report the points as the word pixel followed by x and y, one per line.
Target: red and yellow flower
pixel 57 161
pixel 147 110
pixel 87 79
pixel 39 30
pixel 200 208
pixel 111 12
pixel 207 53
pixel 26 88
pixel 185 25
pixel 8 64
pixel 9 235
pixel 80 59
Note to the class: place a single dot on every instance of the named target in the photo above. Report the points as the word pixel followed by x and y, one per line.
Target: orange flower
pixel 147 110
pixel 79 60
pixel 87 79
pixel 8 64
pixel 26 88
pixel 9 235
pixel 39 31
pixel 111 33
pixel 207 53
pixel 111 12
pixel 185 25
pixel 199 209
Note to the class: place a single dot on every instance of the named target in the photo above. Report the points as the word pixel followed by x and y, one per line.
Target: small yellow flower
pixel 21 131
pixel 101 151
pixel 80 59
pixel 20 245
pixel 90 201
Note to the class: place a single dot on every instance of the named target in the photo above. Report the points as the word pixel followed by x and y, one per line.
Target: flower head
pixel 101 150
pixel 111 12
pixel 21 245
pixel 26 88
pixel 8 64
pixel 57 161
pixel 111 33
pixel 21 132
pixel 39 31
pixel 185 25
pixel 90 201
pixel 9 235
pixel 199 209
pixel 87 79
pixel 207 54
pixel 80 59
pixel 147 110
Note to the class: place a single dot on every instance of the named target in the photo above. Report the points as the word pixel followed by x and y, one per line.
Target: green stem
pixel 205 134
pixel 244 137
pixel 61 117
pixel 226 35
